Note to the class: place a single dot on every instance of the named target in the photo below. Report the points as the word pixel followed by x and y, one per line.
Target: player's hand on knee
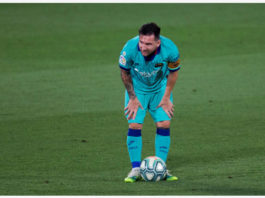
pixel 132 108
pixel 167 106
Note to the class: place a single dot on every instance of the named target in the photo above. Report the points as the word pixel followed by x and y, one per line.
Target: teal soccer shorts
pixel 149 102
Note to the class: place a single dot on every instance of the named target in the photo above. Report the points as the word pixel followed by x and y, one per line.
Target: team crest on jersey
pixel 159 65
pixel 124 53
pixel 122 60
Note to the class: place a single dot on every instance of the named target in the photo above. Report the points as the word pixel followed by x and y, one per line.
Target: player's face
pixel 148 44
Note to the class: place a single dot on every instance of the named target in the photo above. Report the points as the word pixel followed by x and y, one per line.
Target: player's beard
pixel 150 54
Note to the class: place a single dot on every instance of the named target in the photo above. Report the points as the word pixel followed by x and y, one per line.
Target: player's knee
pixel 135 126
pixel 163 124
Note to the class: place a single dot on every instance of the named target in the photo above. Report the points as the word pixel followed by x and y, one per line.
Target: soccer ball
pixel 153 169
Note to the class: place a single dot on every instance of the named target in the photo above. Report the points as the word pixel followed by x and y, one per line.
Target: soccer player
pixel 149 66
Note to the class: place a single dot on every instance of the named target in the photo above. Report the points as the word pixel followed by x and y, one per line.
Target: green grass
pixel 62 128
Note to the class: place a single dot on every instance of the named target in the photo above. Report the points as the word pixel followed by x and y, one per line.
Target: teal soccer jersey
pixel 149 74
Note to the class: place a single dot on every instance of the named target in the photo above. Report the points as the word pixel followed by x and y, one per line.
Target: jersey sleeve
pixel 173 58
pixel 125 60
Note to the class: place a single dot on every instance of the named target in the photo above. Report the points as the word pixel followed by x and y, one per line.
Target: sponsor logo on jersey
pixel 147 74
pixel 122 60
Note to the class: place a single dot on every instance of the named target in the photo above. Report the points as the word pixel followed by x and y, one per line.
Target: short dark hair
pixel 149 29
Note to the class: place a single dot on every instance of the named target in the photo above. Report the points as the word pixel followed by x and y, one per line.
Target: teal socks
pixel 162 143
pixel 134 145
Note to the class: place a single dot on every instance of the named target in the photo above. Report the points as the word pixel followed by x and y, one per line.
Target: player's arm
pixel 134 103
pixel 127 81
pixel 165 103
pixel 173 67
pixel 171 81
pixel 172 77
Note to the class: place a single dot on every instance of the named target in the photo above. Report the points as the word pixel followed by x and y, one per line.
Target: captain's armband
pixel 174 66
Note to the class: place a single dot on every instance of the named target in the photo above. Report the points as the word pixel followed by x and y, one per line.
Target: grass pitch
pixel 61 99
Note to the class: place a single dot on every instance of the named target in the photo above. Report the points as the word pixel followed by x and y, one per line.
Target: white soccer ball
pixel 153 169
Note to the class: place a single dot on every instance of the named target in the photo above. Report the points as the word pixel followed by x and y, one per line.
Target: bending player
pixel 149 66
